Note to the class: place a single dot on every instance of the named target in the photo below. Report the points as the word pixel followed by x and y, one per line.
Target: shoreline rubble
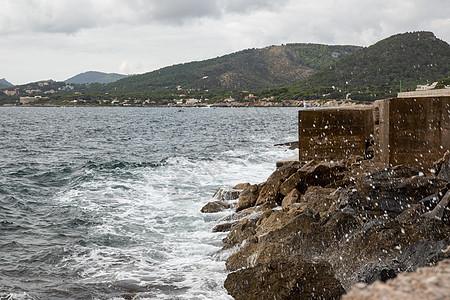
pixel 315 230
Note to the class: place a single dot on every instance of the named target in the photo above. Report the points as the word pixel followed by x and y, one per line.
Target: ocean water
pixel 104 203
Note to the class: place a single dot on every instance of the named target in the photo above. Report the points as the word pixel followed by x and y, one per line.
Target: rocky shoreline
pixel 314 230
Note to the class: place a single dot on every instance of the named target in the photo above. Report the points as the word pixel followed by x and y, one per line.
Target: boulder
pixel 368 227
pixel 320 199
pixel 248 197
pixel 426 283
pixel 270 190
pixel 442 167
pixel 239 233
pixel 242 186
pixel 215 206
pixel 285 278
pixel 223 194
pixel 377 270
pixel 291 198
pixel 317 174
pixel 391 191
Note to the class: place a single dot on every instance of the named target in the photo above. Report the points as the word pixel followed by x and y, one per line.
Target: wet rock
pixel 248 197
pixel 270 190
pixel 223 227
pixel 318 174
pixel 285 278
pixel 242 186
pixel 442 167
pixel 425 253
pixel 291 198
pixel 215 206
pixel 376 270
pixel 366 226
pixel 439 210
pixel 320 199
pixel 223 194
pixel 239 233
pixel 391 191
pixel 426 283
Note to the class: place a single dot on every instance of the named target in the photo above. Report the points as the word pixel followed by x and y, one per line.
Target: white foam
pixel 156 211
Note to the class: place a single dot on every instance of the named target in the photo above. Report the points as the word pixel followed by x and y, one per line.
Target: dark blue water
pixel 104 203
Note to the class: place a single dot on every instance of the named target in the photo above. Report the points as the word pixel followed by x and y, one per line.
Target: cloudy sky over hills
pixel 43 39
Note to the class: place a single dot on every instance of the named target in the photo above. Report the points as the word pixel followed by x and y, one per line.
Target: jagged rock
pixel 270 190
pixel 240 232
pixel 320 174
pixel 223 227
pixel 291 198
pixel 285 278
pixel 438 211
pixel 411 214
pixel 346 218
pixel 442 167
pixel 391 191
pixel 248 197
pixel 426 283
pixel 320 199
pixel 215 206
pixel 223 194
pixel 376 270
pixel 242 186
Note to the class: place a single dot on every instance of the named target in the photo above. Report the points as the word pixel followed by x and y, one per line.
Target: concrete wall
pixel 334 133
pixel 405 131
pixel 425 93
pixel 417 132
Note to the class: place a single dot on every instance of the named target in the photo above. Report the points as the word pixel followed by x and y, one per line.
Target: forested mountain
pixel 243 70
pixel 377 71
pixel 4 83
pixel 95 77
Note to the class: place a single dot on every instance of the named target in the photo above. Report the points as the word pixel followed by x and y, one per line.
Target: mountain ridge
pixel 5 83
pixel 95 77
pixel 380 70
pixel 246 69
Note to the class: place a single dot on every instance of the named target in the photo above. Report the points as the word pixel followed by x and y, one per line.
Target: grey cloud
pixel 70 16
pixel 243 6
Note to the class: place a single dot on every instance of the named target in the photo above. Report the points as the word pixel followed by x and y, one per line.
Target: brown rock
pixel 270 190
pixel 442 167
pixel 248 197
pixel 240 232
pixel 215 206
pixel 425 283
pixel 291 198
pixel 223 194
pixel 285 278
pixel 242 186
pixel 320 199
pixel 321 174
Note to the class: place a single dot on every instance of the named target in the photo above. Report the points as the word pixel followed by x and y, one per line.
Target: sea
pixel 104 202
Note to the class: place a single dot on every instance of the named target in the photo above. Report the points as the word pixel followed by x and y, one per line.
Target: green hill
pixel 243 70
pixel 377 71
pixel 95 77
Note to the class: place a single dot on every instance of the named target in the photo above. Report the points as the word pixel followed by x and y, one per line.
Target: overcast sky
pixel 56 39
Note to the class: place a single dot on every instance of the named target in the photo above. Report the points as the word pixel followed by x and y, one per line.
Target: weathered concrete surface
pixel 412 131
pixel 333 134
pixel 419 130
pixel 398 131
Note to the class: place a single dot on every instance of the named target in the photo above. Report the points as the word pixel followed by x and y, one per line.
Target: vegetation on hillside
pixel 379 71
pixel 275 73
pixel 244 70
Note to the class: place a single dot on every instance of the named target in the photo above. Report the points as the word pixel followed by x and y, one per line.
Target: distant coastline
pixel 285 103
